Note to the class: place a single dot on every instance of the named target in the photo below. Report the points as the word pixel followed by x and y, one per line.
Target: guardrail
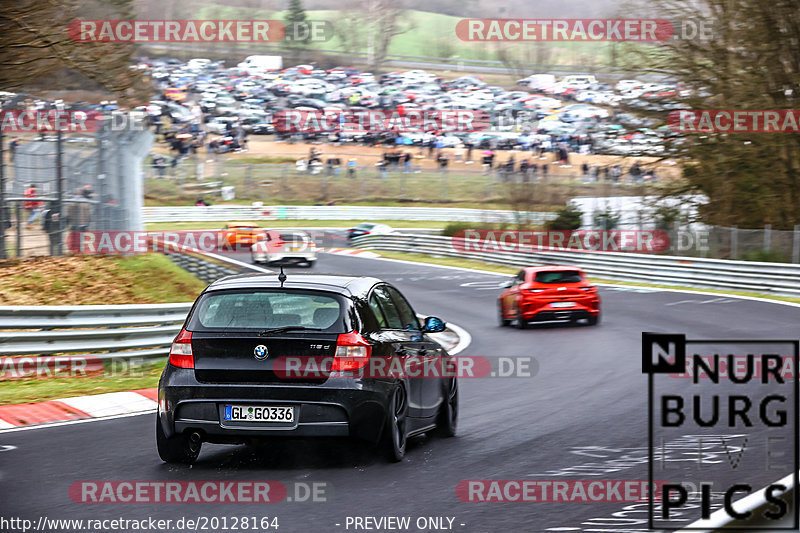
pixel 217 213
pixel 108 331
pixel 772 278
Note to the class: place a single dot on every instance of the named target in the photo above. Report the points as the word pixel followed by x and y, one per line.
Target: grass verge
pixel 85 280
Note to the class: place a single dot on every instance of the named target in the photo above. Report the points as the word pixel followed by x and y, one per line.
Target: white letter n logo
pixel 663 353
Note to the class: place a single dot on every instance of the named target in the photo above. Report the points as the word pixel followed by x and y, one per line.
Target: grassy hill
pixel 429 35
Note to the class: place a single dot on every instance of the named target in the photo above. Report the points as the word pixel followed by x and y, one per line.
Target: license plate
pixel 562 304
pixel 259 413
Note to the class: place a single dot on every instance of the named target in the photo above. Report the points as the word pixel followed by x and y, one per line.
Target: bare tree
pixel 35 43
pixel 385 21
pixel 748 59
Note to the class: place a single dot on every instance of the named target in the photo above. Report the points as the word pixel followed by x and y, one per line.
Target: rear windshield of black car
pixel 558 276
pixel 265 309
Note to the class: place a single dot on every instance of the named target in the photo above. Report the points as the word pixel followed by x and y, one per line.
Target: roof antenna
pixel 281 277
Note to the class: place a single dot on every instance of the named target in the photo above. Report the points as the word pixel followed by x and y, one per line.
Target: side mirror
pixel 506 284
pixel 433 325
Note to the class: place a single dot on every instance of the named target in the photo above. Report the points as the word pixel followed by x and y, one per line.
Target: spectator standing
pixel 523 169
pixel 12 147
pixel 585 172
pixel 52 225
pixel 33 207
pixel 352 166
pixel 406 162
pixel 443 161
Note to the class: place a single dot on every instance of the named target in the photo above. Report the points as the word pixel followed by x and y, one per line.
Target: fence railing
pixel 779 279
pixel 106 331
pixel 102 331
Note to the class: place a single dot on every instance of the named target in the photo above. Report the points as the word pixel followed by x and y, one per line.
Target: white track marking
pixel 110 404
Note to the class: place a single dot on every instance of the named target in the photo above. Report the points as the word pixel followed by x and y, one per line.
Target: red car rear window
pixel 558 276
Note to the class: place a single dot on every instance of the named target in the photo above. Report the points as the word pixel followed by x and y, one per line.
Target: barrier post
pixel 767 237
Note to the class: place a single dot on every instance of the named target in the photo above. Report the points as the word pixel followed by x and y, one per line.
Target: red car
pixel 546 293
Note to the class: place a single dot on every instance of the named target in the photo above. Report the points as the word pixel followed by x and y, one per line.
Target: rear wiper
pixel 264 333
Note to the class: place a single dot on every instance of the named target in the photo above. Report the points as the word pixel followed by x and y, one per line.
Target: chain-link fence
pixel 57 182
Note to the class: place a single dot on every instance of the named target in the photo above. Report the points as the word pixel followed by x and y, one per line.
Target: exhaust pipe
pixel 195 441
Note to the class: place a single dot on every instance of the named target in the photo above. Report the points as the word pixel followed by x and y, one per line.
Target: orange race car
pixel 235 234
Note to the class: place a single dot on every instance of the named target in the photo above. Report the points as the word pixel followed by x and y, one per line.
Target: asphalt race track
pixel 588 391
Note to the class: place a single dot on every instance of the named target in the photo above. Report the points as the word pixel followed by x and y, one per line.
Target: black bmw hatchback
pixel 315 356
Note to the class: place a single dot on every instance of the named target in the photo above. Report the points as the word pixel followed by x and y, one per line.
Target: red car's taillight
pixel 180 354
pixel 352 352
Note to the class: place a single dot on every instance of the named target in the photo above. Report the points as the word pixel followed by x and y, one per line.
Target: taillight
pixel 352 352
pixel 588 289
pixel 180 354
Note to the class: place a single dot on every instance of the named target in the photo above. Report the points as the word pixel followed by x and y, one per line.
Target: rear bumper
pixel 538 312
pixel 295 257
pixel 560 314
pixel 339 407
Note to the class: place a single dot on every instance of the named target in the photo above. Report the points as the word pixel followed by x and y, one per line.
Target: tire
pixel 180 449
pixel 504 322
pixel 593 320
pixel 394 434
pixel 309 264
pixel 520 322
pixel 447 424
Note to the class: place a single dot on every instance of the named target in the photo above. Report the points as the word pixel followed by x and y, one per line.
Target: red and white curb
pixel 111 404
pixel 350 251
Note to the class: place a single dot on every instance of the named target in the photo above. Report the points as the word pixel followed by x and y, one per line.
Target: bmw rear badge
pixel 260 352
